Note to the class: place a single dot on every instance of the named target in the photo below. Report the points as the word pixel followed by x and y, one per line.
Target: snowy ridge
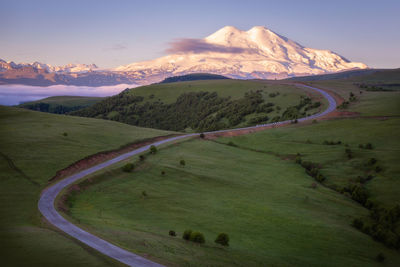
pixel 256 53
pixel 69 68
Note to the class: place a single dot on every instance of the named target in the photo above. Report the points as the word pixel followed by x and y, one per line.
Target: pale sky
pixel 112 33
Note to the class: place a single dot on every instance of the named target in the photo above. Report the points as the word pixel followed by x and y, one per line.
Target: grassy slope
pixel 263 202
pixel 168 92
pixel 35 144
pixel 68 101
pixel 236 89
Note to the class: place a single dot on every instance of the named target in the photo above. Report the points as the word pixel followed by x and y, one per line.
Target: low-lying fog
pixel 13 94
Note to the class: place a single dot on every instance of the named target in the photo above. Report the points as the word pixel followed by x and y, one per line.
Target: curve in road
pixel 47 199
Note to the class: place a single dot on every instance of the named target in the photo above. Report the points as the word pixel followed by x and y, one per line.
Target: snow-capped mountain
pixel 256 53
pixel 40 74
pixel 70 68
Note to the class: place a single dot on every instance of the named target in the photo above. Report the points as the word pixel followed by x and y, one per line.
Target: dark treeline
pixel 201 111
pixel 57 109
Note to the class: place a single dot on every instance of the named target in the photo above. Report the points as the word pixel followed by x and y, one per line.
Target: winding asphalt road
pixel 47 199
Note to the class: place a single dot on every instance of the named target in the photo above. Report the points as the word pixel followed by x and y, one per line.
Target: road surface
pixel 47 207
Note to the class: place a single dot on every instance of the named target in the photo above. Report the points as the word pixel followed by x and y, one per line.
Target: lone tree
pixel 128 167
pixel 197 237
pixel 153 149
pixel 182 162
pixel 222 239
pixel 186 234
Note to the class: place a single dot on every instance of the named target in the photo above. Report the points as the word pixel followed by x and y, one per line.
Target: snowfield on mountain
pixel 256 53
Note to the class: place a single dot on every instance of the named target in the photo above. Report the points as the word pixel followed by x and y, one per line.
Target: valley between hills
pixel 321 191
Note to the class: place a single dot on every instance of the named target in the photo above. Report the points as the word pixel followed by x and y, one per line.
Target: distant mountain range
pixel 258 53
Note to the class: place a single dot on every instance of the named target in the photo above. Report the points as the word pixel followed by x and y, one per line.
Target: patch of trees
pixel 197 237
pixel 382 225
pixel 194 77
pixel 378 87
pixel 332 143
pixel 366 146
pixel 56 109
pixel 201 111
pixel 312 169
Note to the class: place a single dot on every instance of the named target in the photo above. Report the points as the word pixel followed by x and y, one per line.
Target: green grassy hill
pixel 33 147
pixel 206 105
pixel 194 77
pixel 61 104
pixel 251 187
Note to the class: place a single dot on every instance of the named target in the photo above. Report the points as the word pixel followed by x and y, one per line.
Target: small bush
pixel 153 149
pixel 65 134
pixel 182 162
pixel 141 158
pixel 349 153
pixel 197 237
pixel 172 233
pixel 202 135
pixel 128 167
pixel 378 168
pixel 144 194
pixel 314 121
pixel 222 239
pixel 162 173
pixel 358 223
pixel 298 159
pixel 230 143
pixel 320 178
pixel 186 234
pixel 371 161
pixel 368 146
pixel 380 257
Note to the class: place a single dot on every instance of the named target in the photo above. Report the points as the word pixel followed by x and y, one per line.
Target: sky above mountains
pixel 113 33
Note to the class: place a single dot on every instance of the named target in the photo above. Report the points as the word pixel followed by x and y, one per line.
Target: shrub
pixel 358 223
pixel 163 173
pixel 153 149
pixel 202 135
pixel 361 146
pixel 144 194
pixel 320 178
pixel 65 134
pixel 314 172
pixel 128 167
pixel 172 233
pixel 378 168
pixel 182 162
pixel 371 161
pixel 313 121
pixel 349 153
pixel 298 159
pixel 141 158
pixel 368 146
pixel 197 237
pixel 230 143
pixel 186 234
pixel 380 257
pixel 313 185
pixel 222 239
pixel 359 194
